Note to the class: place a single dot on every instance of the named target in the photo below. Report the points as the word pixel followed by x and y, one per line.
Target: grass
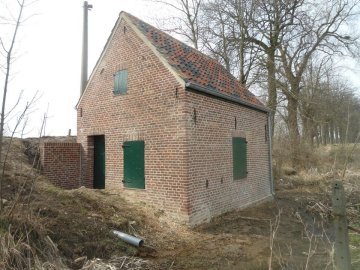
pixel 4 225
pixel 65 226
pixel 354 240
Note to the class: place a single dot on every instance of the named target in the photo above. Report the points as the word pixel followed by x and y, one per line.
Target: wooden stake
pixel 342 251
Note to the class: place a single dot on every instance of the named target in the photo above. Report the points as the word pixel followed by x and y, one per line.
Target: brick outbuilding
pixel 163 123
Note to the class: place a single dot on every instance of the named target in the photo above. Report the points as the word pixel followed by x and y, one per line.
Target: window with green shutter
pixel 239 147
pixel 120 82
pixel 134 164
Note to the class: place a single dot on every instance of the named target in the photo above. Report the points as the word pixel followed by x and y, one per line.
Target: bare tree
pixel 271 39
pixel 313 97
pixel 187 23
pixel 324 101
pixel 255 30
pixel 8 50
pixel 224 37
pixel 21 120
pixel 268 24
pixel 317 27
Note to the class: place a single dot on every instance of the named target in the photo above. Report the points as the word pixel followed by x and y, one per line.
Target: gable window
pixel 134 164
pixel 239 149
pixel 120 81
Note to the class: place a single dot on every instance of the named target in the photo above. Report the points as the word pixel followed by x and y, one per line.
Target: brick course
pixel 181 154
pixel 150 111
pixel 209 143
pixel 61 164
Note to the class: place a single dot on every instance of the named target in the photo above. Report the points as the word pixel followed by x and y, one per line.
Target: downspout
pixel 81 176
pixel 271 176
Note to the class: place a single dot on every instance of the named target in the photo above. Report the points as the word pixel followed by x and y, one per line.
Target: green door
pixel 134 164
pixel 99 162
pixel 239 146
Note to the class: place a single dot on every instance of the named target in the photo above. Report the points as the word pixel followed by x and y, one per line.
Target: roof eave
pixel 226 97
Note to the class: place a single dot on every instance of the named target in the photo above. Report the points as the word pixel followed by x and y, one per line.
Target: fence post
pixel 342 252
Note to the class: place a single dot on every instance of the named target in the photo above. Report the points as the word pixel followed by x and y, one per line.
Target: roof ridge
pixel 191 67
pixel 169 36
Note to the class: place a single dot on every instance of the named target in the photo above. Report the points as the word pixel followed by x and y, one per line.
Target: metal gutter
pixel 226 97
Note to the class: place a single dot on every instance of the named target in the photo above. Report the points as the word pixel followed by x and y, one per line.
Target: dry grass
pixel 117 263
pixel 50 228
pixel 21 252
pixel 315 184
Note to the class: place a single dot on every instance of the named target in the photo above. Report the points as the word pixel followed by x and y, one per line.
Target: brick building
pixel 163 123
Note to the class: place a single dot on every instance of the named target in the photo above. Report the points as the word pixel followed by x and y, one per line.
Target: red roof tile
pixel 193 66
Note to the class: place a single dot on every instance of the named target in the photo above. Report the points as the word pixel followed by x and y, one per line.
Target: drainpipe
pixel 84 58
pixel 129 238
pixel 81 176
pixel 271 176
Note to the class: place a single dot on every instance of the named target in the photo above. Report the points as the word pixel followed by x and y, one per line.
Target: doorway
pixel 99 162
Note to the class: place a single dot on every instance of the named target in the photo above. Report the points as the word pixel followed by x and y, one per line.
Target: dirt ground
pixel 241 239
pixel 79 223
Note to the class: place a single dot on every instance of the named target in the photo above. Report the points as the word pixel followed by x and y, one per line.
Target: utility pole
pixel 84 59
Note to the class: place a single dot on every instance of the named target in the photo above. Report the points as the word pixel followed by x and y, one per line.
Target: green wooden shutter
pixel 120 82
pixel 134 164
pixel 239 157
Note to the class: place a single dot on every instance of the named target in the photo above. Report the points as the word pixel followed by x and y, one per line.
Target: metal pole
pixel 342 251
pixel 84 59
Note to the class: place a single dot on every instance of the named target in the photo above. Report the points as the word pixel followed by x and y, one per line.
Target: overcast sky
pixel 48 55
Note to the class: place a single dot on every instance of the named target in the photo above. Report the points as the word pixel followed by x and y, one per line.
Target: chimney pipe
pixel 84 59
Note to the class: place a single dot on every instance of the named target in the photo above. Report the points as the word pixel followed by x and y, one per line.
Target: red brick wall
pixel 210 156
pixel 180 155
pixel 151 110
pixel 61 164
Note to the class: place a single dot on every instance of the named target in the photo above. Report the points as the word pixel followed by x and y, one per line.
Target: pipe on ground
pixel 132 240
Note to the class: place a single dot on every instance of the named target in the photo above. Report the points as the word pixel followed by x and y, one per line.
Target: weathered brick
pixel 61 164
pixel 181 154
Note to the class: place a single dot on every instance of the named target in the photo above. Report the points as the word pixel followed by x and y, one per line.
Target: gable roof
pixel 194 69
pixel 198 70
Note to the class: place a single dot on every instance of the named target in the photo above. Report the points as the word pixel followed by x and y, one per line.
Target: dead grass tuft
pixel 115 263
pixel 18 251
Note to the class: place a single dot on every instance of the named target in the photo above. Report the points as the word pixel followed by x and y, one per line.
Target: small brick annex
pixel 61 163
pixel 186 108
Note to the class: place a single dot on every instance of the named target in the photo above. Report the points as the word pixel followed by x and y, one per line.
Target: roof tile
pixel 194 66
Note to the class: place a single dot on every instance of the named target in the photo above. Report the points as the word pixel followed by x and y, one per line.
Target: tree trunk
pixel 331 130
pixel 317 136
pixel 337 132
pixel 271 80
pixel 5 89
pixel 292 122
pixel 309 129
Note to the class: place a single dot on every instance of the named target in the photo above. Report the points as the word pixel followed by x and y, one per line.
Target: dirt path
pixel 240 239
